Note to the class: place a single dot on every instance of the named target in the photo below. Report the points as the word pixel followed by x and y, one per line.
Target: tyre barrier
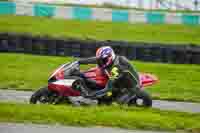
pixel 45 45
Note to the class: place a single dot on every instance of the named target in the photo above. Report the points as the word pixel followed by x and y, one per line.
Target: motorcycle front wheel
pixel 43 96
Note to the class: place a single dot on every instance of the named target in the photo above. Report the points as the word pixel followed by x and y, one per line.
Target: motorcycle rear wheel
pixel 142 99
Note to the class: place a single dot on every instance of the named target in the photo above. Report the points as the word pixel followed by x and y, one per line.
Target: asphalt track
pixel 23 97
pixel 32 128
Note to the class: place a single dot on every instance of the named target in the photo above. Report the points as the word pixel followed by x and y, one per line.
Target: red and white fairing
pixel 64 86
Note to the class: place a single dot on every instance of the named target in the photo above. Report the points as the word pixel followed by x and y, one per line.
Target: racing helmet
pixel 105 56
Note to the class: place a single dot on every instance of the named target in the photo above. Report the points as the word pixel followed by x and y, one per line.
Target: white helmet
pixel 105 56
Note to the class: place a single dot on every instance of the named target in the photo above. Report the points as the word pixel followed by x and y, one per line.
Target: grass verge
pixel 162 33
pixel 29 72
pixel 112 116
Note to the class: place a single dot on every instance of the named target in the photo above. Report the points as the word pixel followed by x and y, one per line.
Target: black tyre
pixel 42 96
pixel 142 99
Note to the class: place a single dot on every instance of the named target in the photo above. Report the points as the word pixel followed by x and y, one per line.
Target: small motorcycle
pixel 64 86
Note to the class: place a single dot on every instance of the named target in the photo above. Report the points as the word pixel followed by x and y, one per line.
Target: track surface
pixel 32 128
pixel 23 96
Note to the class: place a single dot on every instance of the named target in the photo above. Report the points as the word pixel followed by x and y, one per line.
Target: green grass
pixel 162 33
pixel 111 116
pixel 29 72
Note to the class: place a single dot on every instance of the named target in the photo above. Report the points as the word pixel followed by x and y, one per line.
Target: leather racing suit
pixel 121 73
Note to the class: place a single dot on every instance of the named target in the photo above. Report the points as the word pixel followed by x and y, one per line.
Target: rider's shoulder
pixel 123 59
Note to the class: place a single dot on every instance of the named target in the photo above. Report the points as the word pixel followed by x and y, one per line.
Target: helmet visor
pixel 102 62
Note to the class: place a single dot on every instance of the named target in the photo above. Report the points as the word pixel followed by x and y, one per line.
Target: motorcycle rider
pixel 119 71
